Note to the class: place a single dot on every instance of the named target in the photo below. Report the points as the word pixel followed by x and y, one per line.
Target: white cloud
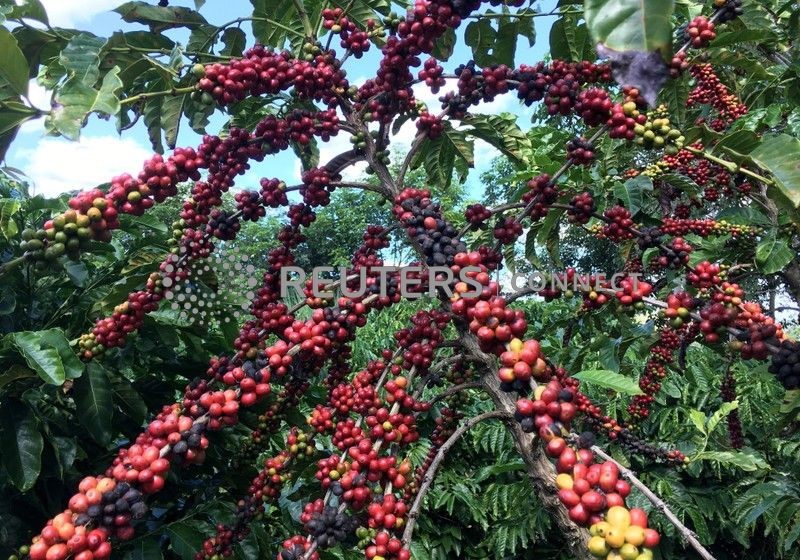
pixel 67 13
pixel 56 165
pixel 40 98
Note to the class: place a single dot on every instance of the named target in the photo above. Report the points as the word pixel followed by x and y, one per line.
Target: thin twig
pixel 430 474
pixel 687 534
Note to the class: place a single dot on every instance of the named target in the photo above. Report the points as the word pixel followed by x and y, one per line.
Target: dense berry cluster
pixel 618 223
pixel 580 151
pixel 661 355
pixel 700 32
pixel 542 192
pixel 786 364
pixel 709 90
pixel 424 223
pixel 581 208
pixel 477 214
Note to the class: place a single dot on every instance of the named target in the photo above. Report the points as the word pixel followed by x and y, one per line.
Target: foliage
pixel 62 417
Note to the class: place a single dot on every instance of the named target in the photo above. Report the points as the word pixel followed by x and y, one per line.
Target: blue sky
pixel 56 165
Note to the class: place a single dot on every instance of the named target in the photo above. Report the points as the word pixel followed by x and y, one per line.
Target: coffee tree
pixel 668 132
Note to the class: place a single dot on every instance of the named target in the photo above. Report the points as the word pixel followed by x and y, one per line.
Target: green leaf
pixel 159 18
pixel 185 540
pixel 359 11
pixel 11 117
pixel 631 193
pixel 448 153
pixel 21 444
pixel 610 380
pixel 8 207
pixel 77 97
pixel 235 41
pixel 308 154
pixel 684 183
pixel 744 461
pixel 505 45
pixel 13 66
pixel 728 38
pixel 76 270
pixel 29 9
pixel 81 58
pixel 171 112
pixel 631 25
pixel 723 412
pixel 145 549
pixel 8 302
pixel 773 254
pixel 43 358
pixel 698 419
pixel 92 393
pixel 780 155
pixel 65 450
pixel 445 44
pixel 480 36
pixel 73 367
pixel 570 40
pixel 15 372
pixel 128 400
pixel 737 144
pixel 502 132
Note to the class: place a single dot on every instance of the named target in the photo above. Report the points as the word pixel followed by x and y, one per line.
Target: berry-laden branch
pixel 686 534
pixel 430 474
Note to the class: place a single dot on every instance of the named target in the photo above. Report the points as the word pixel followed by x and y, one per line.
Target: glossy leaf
pixel 185 540
pixel 43 358
pixel 21 444
pixel 73 367
pixel 569 40
pixel 234 40
pixel 780 155
pixel 157 17
pixel 13 66
pixel 631 192
pixel 92 393
pixel 146 548
pixel 631 25
pixel 610 380
pixel 8 207
pixel 502 132
pixel 773 254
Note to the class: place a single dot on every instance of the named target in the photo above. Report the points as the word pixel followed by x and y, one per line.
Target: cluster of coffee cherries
pixel 549 412
pixel 728 10
pixel 661 355
pixel 477 214
pixel 700 32
pixel 618 223
pixel 542 192
pixel 580 151
pixel 679 308
pixel 507 230
pixel 424 223
pixel 326 524
pixel 67 234
pixel 352 39
pixel 623 533
pixel 727 391
pixel 709 90
pixel 594 493
pixel 581 208
pixel 522 361
pixel 786 364
pixel 657 132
